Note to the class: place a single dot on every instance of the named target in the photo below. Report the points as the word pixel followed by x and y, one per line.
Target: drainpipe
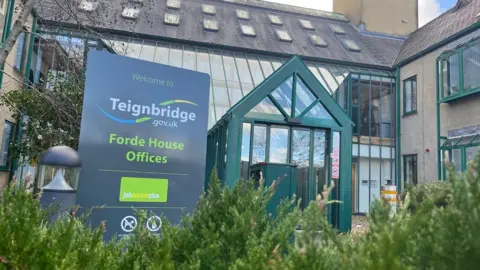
pixel 398 132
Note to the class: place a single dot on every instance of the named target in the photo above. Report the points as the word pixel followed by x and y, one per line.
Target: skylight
pixel 306 24
pixel 283 35
pixel 87 5
pixel 337 29
pixel 173 4
pixel 208 9
pixel 243 14
pixel 130 13
pixel 248 30
pixel 318 41
pixel 210 25
pixel 172 19
pixel 274 19
pixel 351 45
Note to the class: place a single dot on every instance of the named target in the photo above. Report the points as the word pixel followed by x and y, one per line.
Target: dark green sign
pixel 142 141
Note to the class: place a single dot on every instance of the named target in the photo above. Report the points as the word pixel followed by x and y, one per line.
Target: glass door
pixel 301 158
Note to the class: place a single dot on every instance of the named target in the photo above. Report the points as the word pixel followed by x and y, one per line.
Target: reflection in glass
pixel 304 97
pixel 234 91
pixel 472 153
pixel 278 144
pixel 266 109
pixel 457 159
pixel 259 144
pixel 230 67
pixel 246 142
pixel 364 92
pixel 220 96
pixel 283 95
pixel 244 163
pixel 319 112
pixel 330 80
pixel 243 69
pixel 301 158
pixel 319 158
pixel 276 63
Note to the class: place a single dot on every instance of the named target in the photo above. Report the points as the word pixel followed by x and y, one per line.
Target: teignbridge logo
pixel 170 114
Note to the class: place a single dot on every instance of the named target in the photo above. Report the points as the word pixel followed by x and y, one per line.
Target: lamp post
pixel 58 193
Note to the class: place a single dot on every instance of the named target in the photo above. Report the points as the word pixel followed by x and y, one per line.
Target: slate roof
pixel 449 23
pixel 375 51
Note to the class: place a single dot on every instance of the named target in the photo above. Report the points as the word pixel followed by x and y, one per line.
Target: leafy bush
pixel 230 229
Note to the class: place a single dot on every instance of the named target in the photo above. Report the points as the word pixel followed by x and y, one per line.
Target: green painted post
pixel 439 154
pixel 345 222
pixel 398 133
pixel 232 173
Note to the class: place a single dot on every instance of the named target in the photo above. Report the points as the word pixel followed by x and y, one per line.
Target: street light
pixel 59 193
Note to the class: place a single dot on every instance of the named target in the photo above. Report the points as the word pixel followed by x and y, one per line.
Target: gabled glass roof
pixel 235 74
pixel 462 141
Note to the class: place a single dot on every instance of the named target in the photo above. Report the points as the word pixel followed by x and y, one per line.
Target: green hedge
pixel 230 229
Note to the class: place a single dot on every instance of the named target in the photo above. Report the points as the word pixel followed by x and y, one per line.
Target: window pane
pixel 189 58
pixel 234 91
pixel 220 95
pixel 471 67
pixel 217 65
pixel 364 93
pixel 452 75
pixel 457 159
pixel 283 95
pixel 319 157
pixel 259 143
pixel 230 67
pixel 266 110
pixel 256 70
pixel 304 97
pixel 387 109
pixel 278 144
pixel 411 170
pixel 472 153
pixel 203 62
pixel 266 67
pixel 243 69
pixel 7 132
pixel 161 54
pixel 300 157
pixel 19 54
pixel 175 58
pixel 408 96
pixel 148 51
pixel 315 72
pixel 246 142
pixel 414 94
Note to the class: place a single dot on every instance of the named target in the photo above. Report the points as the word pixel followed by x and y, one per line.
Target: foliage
pixel 56 115
pixel 230 229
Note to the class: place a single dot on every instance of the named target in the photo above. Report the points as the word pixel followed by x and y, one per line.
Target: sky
pixel 427 9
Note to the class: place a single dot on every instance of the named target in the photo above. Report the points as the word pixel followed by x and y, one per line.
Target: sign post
pixel 142 141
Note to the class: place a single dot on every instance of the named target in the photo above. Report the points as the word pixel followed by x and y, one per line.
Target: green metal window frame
pixel 10 139
pixel 440 76
pixel 454 144
pixel 409 80
pixel 405 159
pixel 23 54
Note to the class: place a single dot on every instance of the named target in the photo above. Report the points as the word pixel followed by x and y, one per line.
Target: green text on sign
pixel 134 189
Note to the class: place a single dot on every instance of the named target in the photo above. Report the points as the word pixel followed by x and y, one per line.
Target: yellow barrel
pixel 389 194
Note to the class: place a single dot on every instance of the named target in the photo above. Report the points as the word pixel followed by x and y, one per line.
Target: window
pixel 18 64
pixel 457 72
pixel 130 13
pixel 243 14
pixel 85 5
pixel 6 139
pixel 337 29
pixel 410 96
pixel 210 25
pixel 306 24
pixel 173 4
pixel 351 45
pixel 283 35
pixel 3 6
pixel 318 41
pixel 208 9
pixel 247 30
pixel 274 19
pixel 410 170
pixel 172 19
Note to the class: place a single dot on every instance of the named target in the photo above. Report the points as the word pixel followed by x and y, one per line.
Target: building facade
pixel 381 71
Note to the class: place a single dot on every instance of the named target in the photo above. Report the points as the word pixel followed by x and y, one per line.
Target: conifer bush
pixel 230 229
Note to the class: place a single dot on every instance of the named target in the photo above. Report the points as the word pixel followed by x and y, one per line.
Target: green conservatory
pixel 318 121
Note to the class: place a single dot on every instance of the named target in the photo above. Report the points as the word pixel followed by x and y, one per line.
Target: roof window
pixel 283 35
pixel 130 13
pixel 210 25
pixel 209 9
pixel 351 45
pixel 248 30
pixel 88 5
pixel 337 29
pixel 243 14
pixel 173 4
pixel 318 41
pixel 172 19
pixel 274 19
pixel 306 24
